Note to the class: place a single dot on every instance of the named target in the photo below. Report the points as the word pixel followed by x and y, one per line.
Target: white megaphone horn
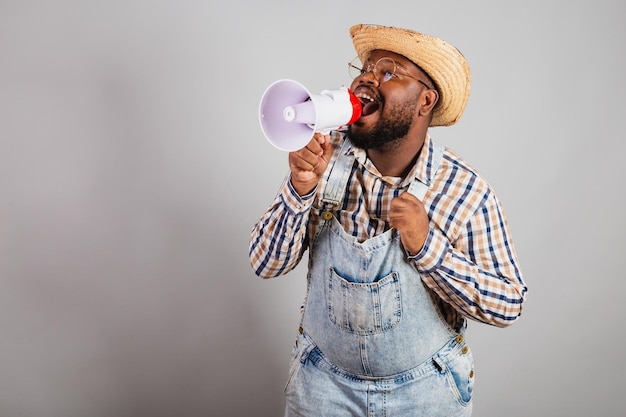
pixel 290 114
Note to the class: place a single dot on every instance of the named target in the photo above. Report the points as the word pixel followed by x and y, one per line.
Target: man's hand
pixel 309 163
pixel 409 217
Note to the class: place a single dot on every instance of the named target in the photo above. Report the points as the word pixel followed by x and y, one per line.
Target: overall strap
pixel 418 188
pixel 339 176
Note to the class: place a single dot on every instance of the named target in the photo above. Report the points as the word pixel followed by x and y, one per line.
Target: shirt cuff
pixel 295 202
pixel 433 252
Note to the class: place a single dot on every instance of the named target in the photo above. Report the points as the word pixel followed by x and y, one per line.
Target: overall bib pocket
pixel 364 308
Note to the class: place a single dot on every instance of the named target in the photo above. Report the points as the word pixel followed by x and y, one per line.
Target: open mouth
pixel 369 103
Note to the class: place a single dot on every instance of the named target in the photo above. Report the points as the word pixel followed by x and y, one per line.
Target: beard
pixel 387 133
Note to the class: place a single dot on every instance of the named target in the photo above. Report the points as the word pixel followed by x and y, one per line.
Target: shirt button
pixel 300 330
pixel 327 215
pixel 459 339
pixel 465 349
pixel 472 373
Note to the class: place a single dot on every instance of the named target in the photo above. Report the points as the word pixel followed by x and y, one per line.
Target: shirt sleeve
pixel 278 239
pixel 478 274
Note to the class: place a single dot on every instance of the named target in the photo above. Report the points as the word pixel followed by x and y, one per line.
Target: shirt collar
pixel 420 171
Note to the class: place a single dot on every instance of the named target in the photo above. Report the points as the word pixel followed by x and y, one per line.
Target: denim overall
pixel 371 341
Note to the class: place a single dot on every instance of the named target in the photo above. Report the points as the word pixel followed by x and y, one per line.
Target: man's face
pixel 389 107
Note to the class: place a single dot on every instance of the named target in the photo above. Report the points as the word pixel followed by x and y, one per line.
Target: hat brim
pixel 443 63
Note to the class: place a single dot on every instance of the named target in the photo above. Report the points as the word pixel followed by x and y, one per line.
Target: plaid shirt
pixel 468 260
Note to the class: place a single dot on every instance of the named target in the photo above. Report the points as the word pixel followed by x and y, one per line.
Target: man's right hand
pixel 309 163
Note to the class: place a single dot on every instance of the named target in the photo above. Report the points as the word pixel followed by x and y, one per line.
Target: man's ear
pixel 429 100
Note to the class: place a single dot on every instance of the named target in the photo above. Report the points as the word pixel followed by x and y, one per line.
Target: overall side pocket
pixel 300 352
pixel 461 373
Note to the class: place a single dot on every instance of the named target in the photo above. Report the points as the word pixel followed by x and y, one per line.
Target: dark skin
pixel 395 158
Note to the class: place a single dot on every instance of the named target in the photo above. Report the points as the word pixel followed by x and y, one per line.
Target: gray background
pixel 132 169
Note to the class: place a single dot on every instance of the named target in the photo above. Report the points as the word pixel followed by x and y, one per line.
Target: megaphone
pixel 289 114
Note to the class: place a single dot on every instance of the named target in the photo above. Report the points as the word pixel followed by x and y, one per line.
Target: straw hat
pixel 443 63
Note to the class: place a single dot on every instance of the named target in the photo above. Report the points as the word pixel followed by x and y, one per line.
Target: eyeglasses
pixel 384 70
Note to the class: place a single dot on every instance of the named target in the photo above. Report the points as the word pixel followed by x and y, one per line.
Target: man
pixel 406 241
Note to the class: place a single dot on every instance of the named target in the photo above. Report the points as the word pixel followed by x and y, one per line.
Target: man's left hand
pixel 409 217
